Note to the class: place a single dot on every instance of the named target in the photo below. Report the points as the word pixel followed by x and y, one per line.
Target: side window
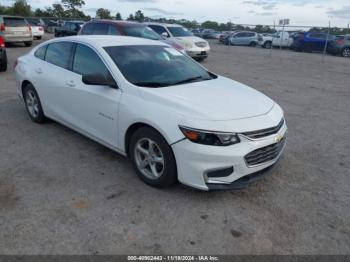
pixel 88 29
pixel 158 29
pixel 40 53
pixel 240 35
pixel 112 30
pixel 86 61
pixel 59 54
pixel 101 29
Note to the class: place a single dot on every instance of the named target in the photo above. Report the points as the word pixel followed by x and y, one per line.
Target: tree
pixel 210 25
pixel 131 17
pixel 58 10
pixel 139 16
pixel 20 7
pixel 73 6
pixel 118 16
pixel 103 13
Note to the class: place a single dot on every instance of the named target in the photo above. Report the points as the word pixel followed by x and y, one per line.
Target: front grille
pixel 264 132
pixel 201 44
pixel 265 154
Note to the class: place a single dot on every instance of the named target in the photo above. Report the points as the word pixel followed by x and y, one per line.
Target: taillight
pixel 29 28
pixel 2 27
pixel 339 41
pixel 2 42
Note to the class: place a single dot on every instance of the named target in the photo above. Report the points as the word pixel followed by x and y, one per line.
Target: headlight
pixel 209 137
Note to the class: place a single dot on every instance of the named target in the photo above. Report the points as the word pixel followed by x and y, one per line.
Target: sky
pixel 300 12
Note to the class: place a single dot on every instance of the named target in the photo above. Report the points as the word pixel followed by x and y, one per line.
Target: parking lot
pixel 61 193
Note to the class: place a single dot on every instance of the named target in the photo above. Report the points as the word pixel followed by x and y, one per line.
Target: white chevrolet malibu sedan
pixel 176 120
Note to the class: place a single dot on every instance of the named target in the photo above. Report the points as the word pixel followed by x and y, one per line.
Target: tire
pixel 33 104
pixel 253 44
pixel 155 167
pixel 345 52
pixel 39 37
pixel 27 44
pixel 3 64
pixel 268 45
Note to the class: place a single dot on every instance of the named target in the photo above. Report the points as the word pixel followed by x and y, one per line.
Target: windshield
pixel 178 31
pixel 14 22
pixel 156 66
pixel 141 31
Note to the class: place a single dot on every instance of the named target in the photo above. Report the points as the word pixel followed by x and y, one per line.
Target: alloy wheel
pixel 32 103
pixel 346 52
pixel 149 158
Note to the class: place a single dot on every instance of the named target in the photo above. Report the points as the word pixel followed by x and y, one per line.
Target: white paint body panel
pixel 105 114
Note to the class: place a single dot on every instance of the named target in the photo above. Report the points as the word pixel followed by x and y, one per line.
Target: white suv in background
pixel 195 47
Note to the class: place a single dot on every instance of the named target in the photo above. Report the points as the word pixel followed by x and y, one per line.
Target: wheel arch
pixel 133 128
pixel 23 85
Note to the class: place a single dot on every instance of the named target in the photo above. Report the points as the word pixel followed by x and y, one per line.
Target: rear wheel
pixel 33 104
pixel 346 52
pixel 153 158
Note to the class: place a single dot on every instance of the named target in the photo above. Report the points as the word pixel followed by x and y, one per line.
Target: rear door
pixel 51 76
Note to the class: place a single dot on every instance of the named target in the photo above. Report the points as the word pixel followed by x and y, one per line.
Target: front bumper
pixel 195 162
pixel 198 52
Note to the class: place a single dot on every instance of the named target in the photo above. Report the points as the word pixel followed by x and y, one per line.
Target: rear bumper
pixel 18 39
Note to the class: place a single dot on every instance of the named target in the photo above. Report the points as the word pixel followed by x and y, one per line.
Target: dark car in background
pixel 340 46
pixel 310 41
pixel 69 28
pixel 126 28
pixel 3 56
pixel 209 34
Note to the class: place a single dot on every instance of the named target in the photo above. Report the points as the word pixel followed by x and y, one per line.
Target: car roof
pixel 75 21
pixel 117 22
pixel 11 16
pixel 108 40
pixel 163 24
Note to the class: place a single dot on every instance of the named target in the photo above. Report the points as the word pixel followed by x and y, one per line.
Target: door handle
pixel 39 70
pixel 70 83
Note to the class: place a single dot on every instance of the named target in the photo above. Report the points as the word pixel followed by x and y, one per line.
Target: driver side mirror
pixel 100 80
pixel 165 34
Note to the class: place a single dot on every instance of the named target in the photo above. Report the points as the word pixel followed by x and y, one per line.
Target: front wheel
pixel 27 44
pixel 268 45
pixel 346 52
pixel 253 44
pixel 33 104
pixel 153 158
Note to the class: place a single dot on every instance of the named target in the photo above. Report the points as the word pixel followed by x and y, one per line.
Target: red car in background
pixel 126 28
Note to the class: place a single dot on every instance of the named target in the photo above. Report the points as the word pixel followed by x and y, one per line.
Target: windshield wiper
pixel 191 79
pixel 150 84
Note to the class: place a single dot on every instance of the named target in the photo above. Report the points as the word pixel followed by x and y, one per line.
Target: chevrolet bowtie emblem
pixel 278 138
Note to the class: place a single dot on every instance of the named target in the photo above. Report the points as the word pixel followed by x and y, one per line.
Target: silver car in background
pixel 245 38
pixel 16 30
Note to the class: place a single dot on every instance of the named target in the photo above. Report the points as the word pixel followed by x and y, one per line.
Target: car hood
pixel 188 39
pixel 218 99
